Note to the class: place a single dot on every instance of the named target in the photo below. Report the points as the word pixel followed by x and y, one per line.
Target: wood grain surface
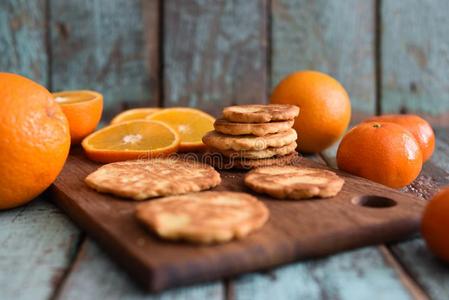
pixel 336 37
pixel 215 53
pixel 23 39
pixel 415 57
pixel 325 227
pixel 328 278
pixel 107 45
pixel 37 244
pixel 96 273
pixel 413 66
pixel 96 276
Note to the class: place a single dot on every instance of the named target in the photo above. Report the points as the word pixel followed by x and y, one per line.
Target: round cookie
pixel 249 142
pixel 258 129
pixel 257 154
pixel 143 179
pixel 222 162
pixel 294 182
pixel 259 113
pixel 205 217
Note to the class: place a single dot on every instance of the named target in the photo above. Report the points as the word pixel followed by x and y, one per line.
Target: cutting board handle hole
pixel 374 201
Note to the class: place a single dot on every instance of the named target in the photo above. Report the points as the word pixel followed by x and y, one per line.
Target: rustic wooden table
pixel 43 255
pixel 210 54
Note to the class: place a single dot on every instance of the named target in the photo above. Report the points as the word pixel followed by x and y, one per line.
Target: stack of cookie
pixel 250 136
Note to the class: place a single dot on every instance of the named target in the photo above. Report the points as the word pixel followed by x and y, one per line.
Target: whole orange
pixel 325 108
pixel 83 110
pixel 383 152
pixel 34 142
pixel 435 224
pixel 420 128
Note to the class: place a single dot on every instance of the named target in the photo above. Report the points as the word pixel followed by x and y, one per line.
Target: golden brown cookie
pixel 142 179
pixel 205 217
pixel 259 129
pixel 249 142
pixel 259 113
pixel 222 162
pixel 257 154
pixel 294 182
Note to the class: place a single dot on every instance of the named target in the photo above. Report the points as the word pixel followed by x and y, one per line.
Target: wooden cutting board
pixel 363 213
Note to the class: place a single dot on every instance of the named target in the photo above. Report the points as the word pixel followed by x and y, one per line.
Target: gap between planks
pixel 229 289
pixel 78 251
pixel 378 55
pixel 409 283
pixel 160 71
pixel 406 279
pixel 48 45
pixel 269 65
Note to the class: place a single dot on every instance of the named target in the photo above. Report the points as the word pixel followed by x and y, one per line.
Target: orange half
pixel 137 139
pixel 83 110
pixel 134 114
pixel 191 124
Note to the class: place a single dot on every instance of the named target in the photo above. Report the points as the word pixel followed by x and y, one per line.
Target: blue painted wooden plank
pixel 22 39
pixel 359 274
pixel 37 244
pixel 107 45
pixel 94 276
pixel 336 37
pixel 441 155
pixel 415 57
pixel 431 274
pixel 215 53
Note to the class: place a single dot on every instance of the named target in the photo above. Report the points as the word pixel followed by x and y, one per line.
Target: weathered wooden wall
pixel 415 57
pixel 392 56
pixel 23 47
pixel 336 37
pixel 111 46
pixel 214 53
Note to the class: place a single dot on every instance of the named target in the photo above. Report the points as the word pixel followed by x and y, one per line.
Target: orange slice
pixel 131 140
pixel 83 111
pixel 134 114
pixel 191 124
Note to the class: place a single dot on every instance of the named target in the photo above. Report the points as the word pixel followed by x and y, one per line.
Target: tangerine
pixel 435 224
pixel 383 152
pixel 420 128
